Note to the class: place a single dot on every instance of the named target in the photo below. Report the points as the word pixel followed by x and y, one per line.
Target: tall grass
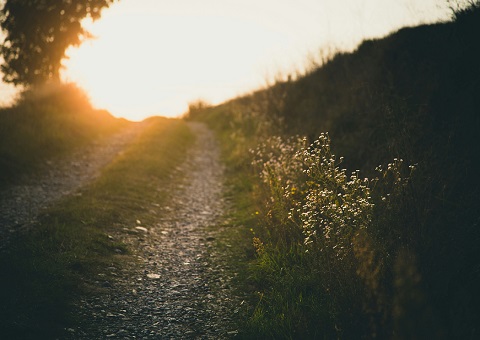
pixel 383 242
pixel 325 224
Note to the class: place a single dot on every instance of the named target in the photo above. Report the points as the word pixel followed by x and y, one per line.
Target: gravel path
pixel 21 204
pixel 180 287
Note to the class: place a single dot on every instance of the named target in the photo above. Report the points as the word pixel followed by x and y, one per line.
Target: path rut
pixel 180 287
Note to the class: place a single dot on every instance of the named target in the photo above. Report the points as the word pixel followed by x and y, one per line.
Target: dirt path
pixel 21 204
pixel 180 286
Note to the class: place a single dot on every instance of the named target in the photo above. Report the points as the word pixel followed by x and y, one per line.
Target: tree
pixel 37 34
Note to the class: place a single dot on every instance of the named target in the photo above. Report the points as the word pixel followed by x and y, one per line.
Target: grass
pixel 320 263
pixel 48 123
pixel 47 269
pixel 399 261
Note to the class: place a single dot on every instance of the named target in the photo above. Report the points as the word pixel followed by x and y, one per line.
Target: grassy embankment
pixel 385 252
pixel 45 124
pixel 58 260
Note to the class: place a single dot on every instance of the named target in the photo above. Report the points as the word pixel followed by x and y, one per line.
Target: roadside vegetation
pixel 358 183
pixel 355 187
pixel 47 269
pixel 46 123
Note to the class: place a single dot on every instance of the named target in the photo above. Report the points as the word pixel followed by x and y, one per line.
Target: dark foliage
pixel 411 95
pixel 38 32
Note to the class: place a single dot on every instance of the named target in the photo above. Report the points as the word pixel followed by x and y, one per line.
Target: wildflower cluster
pixel 392 179
pixel 277 162
pixel 336 205
pixel 283 183
pixel 309 191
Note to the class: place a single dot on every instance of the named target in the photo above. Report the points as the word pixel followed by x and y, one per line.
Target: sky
pixel 153 57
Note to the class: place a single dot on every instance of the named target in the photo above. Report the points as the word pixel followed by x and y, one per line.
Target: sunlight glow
pixel 152 57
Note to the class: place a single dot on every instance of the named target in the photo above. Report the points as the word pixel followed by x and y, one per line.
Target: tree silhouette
pixel 38 32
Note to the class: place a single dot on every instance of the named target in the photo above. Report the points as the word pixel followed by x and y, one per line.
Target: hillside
pixel 408 234
pixel 45 124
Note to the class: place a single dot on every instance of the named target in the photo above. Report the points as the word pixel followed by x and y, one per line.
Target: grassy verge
pixel 45 270
pixel 390 254
pixel 236 134
pixel 48 123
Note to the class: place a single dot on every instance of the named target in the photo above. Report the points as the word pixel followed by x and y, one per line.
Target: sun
pixel 153 57
pixel 144 61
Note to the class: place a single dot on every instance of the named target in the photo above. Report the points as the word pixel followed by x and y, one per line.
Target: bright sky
pixel 152 57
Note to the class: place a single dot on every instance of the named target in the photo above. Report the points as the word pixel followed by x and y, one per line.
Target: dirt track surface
pixel 180 286
pixel 21 204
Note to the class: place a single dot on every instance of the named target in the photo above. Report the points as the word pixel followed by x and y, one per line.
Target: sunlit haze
pixel 152 57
